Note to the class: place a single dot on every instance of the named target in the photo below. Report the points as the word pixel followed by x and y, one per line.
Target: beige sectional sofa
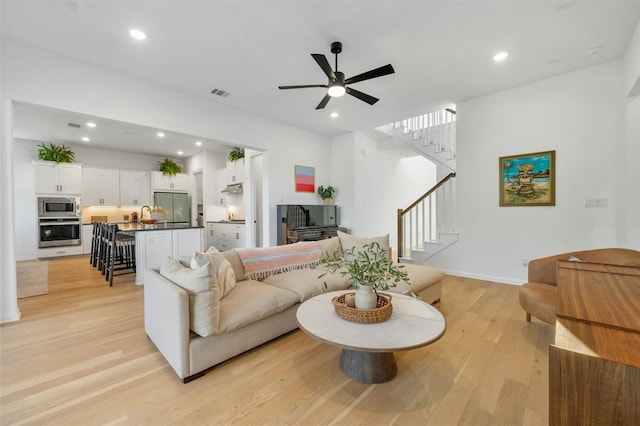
pixel 251 313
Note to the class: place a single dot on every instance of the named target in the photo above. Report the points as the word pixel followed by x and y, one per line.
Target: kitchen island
pixel 154 243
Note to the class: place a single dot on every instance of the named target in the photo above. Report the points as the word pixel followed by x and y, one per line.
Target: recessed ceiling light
pixel 500 56
pixel 85 139
pixel 160 134
pixel 91 124
pixel 137 34
pixel 334 115
pixel 198 143
pixel 180 152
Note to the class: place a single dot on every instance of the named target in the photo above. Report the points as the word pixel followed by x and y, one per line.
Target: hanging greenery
pixel 57 153
pixel 236 154
pixel 168 167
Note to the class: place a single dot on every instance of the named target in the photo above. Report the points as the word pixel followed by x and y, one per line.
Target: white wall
pixel 632 178
pixel 579 115
pixel 38 77
pixel 374 181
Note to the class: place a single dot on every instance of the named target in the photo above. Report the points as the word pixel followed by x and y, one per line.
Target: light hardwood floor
pixel 80 356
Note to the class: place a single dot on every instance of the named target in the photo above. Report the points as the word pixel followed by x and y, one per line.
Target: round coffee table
pixel 367 349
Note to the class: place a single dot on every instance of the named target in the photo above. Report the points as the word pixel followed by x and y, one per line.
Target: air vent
pixel 77 126
pixel 220 92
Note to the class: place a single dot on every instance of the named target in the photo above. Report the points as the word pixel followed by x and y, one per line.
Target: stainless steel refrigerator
pixel 176 205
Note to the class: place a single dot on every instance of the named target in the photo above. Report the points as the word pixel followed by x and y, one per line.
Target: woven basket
pixel 380 313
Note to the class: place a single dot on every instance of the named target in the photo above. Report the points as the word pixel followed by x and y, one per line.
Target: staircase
pixel 427 226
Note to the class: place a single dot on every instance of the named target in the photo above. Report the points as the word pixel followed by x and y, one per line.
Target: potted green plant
pixel 326 193
pixel 168 167
pixel 369 269
pixel 57 153
pixel 236 154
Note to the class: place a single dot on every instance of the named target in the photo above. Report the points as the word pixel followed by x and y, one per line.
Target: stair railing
pixel 434 128
pixel 433 212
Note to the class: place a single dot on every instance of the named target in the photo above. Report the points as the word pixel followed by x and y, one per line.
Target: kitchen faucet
pixel 142 211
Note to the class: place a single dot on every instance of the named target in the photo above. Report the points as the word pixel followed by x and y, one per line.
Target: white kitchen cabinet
pixel 225 236
pixel 186 242
pixel 135 188
pixel 101 187
pixel 235 172
pixel 59 251
pixel 87 238
pixel 153 247
pixel 178 183
pixel 58 178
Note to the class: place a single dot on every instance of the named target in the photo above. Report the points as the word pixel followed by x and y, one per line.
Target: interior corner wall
pixel 343 179
pixel 580 115
pixel 632 180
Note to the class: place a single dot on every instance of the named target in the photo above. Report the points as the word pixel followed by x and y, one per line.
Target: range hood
pixel 234 188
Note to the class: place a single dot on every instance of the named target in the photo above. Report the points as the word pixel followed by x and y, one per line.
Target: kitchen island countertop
pixel 162 226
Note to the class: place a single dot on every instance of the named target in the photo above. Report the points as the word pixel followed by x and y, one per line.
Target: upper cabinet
pixel 101 187
pixel 235 172
pixel 177 183
pixel 58 178
pixel 135 188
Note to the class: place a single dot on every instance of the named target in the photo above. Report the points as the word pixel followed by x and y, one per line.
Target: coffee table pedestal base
pixel 368 367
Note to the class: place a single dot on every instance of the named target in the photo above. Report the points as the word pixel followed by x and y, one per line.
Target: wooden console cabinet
pixel 594 366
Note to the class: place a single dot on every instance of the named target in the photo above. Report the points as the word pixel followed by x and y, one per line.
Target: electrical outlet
pixel 595 202
pixel 525 262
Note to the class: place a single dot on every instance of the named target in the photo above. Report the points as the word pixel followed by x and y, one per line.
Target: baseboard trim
pixel 15 316
pixel 502 280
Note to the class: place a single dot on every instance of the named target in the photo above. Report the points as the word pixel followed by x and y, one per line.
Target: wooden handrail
pixel 402 212
pixel 429 192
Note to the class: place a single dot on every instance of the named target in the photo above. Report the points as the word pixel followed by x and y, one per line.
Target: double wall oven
pixel 59 222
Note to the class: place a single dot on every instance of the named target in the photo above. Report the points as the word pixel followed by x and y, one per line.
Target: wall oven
pixel 59 232
pixel 59 222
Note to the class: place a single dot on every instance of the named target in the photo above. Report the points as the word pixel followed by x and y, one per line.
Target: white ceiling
pixel 441 50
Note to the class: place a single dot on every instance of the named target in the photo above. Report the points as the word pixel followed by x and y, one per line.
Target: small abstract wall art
pixel 305 178
pixel 528 179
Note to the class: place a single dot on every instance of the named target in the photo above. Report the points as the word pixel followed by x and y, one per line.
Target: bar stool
pixel 120 253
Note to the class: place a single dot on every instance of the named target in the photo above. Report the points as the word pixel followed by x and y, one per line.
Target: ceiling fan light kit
pixel 337 84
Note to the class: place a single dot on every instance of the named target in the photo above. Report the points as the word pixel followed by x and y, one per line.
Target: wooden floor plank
pixel 80 355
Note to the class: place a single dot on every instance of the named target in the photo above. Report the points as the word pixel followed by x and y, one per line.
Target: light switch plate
pixel 595 202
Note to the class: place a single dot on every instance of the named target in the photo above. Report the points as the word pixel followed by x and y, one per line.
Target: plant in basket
pixel 369 269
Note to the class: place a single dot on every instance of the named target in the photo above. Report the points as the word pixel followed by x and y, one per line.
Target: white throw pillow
pixel 220 270
pixel 204 309
pixel 348 242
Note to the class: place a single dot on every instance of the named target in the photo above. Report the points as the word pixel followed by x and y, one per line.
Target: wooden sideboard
pixel 594 366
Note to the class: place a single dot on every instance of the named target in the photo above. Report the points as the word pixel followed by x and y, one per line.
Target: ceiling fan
pixel 337 85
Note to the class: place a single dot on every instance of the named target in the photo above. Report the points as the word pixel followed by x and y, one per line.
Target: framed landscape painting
pixel 305 178
pixel 528 179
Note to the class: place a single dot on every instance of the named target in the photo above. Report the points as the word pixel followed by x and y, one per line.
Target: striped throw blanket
pixel 259 263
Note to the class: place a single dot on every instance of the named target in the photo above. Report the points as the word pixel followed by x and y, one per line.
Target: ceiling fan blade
pixel 324 101
pixel 362 96
pixel 378 72
pixel 302 86
pixel 324 64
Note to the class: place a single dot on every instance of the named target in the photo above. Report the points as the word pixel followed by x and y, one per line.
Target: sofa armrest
pixel 166 320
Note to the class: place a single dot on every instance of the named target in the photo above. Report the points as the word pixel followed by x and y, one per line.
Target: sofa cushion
pixel 249 302
pixel 306 282
pixel 236 264
pixel 330 248
pixel 203 299
pixel 348 242
pixel 220 270
pixel 420 277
